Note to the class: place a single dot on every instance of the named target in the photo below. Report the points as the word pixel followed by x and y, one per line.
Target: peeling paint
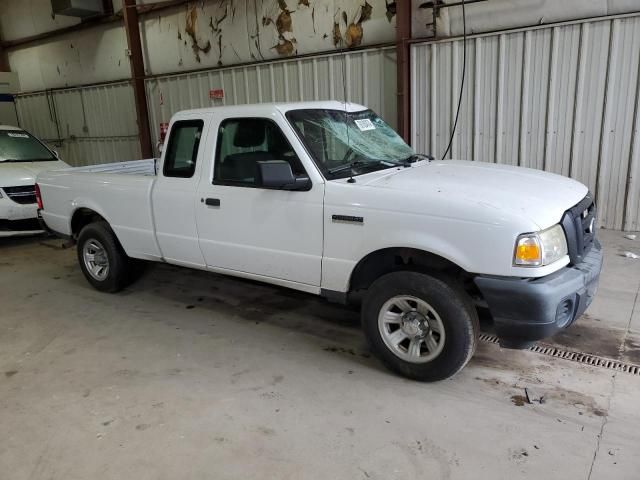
pixel 231 31
pixel 353 35
pixel 285 47
pixel 190 29
pixel 365 13
pixel 337 34
pixel 354 32
pixel 391 10
pixel 283 22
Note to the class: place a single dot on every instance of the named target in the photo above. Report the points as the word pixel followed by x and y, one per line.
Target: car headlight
pixel 541 248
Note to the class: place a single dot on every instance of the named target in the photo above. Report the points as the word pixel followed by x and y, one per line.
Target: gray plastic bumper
pixel 526 310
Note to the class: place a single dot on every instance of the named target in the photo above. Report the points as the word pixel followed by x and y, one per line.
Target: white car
pixel 22 157
pixel 326 198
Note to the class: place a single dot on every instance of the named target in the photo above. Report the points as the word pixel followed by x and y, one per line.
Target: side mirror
pixel 277 174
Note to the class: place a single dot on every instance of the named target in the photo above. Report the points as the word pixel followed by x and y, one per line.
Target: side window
pixel 242 143
pixel 182 151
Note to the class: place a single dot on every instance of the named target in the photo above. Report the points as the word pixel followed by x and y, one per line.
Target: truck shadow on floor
pixel 338 325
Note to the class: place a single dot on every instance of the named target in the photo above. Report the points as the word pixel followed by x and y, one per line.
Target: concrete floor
pixel 193 375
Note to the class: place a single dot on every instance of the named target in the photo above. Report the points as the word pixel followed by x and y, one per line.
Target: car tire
pixel 421 327
pixel 104 263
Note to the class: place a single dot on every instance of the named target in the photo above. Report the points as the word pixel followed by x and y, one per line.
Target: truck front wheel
pixel 419 326
pixel 102 259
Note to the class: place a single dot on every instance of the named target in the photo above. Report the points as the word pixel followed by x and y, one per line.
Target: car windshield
pixel 349 143
pixel 20 146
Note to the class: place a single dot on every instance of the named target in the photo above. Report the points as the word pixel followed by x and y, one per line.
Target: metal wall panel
pixel 561 98
pixel 87 125
pixel 369 79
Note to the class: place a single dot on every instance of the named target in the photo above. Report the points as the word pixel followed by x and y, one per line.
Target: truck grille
pixel 579 224
pixel 23 195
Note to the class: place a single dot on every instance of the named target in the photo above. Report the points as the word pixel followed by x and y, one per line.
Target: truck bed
pixel 119 192
pixel 133 167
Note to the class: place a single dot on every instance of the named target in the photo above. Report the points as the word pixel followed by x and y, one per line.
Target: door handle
pixel 212 202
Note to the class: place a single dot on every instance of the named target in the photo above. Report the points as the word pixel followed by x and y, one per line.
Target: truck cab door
pixel 174 192
pixel 254 231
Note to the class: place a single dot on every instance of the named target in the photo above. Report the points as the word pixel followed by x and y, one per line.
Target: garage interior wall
pixel 86 125
pixel 369 77
pixel 273 41
pixel 562 98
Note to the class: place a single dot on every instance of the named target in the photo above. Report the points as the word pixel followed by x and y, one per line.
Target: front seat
pixel 241 167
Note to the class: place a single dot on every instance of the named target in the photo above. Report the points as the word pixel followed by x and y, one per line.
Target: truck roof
pixel 9 127
pixel 264 108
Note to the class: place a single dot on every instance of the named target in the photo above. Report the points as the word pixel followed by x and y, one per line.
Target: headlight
pixel 541 248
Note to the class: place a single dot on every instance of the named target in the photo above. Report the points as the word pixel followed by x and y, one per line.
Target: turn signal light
pixel 528 251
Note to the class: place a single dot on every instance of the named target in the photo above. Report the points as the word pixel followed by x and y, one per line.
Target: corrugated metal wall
pixel 86 125
pixel 370 79
pixel 565 99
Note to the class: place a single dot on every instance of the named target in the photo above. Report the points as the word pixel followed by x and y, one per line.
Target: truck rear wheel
pixel 102 259
pixel 419 326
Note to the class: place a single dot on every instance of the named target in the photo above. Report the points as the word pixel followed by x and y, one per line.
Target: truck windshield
pixel 20 146
pixel 349 143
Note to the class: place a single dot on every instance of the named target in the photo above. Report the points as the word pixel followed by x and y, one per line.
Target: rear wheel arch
pixel 82 217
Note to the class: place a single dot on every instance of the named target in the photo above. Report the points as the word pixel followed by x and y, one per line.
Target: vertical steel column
pixel 403 35
pixel 4 59
pixel 137 71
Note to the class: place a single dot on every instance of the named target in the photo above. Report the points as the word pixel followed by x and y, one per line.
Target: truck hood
pixel 18 174
pixel 539 196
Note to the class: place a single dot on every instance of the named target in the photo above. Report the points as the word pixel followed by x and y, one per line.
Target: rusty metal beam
pixel 92 22
pixel 4 61
pixel 132 28
pixel 403 37
pixel 89 23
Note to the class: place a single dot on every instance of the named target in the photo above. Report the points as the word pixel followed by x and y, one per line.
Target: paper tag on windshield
pixel 18 135
pixel 365 124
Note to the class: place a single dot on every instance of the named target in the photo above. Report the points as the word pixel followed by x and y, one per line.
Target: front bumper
pixel 17 219
pixel 527 310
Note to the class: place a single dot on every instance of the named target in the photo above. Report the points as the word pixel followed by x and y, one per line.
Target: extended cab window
pixel 242 143
pixel 182 151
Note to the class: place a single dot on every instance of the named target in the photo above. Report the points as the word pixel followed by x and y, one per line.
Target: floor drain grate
pixel 585 358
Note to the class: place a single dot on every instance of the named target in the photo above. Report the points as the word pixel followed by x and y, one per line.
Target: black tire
pixel 453 306
pixel 119 265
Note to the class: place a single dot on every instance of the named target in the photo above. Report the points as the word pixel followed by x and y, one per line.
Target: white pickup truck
pixel 22 157
pixel 326 198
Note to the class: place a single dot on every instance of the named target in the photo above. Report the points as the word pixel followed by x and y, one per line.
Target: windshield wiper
pixel 416 157
pixel 361 163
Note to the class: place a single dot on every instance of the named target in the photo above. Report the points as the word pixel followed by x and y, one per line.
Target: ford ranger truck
pixel 326 198
pixel 22 157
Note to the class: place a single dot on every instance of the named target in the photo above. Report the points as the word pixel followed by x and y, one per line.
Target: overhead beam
pixel 403 38
pixel 132 28
pixel 91 22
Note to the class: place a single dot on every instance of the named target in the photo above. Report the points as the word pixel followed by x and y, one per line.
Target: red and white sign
pixel 216 94
pixel 164 128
